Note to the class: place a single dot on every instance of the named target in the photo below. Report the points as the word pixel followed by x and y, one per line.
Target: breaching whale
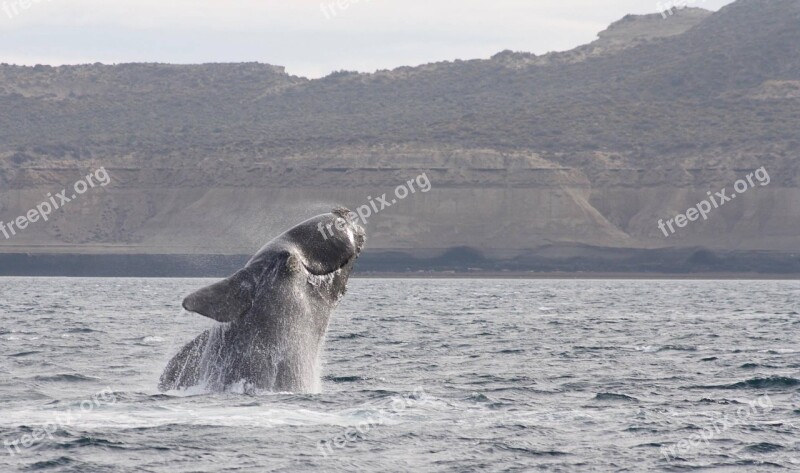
pixel 274 312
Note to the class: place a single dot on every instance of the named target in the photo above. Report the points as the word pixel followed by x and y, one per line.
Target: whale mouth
pixel 341 267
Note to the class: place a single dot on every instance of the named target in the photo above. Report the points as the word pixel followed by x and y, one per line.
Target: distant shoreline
pixel 575 275
pixel 673 264
pixel 497 276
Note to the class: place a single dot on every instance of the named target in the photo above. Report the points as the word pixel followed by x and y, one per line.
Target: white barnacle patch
pixel 294 264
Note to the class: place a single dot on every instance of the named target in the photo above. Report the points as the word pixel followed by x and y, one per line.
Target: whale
pixel 272 314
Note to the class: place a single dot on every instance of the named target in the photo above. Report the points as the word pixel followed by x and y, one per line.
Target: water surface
pixel 420 375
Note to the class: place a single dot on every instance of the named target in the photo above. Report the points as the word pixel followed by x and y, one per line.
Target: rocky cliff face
pixel 587 147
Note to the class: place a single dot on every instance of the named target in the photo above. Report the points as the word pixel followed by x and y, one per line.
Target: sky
pixel 310 38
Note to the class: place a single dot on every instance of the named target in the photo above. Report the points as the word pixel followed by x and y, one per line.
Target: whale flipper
pixel 226 300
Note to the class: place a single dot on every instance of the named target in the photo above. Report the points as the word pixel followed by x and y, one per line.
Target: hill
pixel 582 151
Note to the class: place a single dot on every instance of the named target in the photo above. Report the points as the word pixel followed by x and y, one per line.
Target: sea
pixel 450 375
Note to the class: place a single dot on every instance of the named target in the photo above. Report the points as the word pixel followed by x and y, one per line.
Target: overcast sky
pixel 309 37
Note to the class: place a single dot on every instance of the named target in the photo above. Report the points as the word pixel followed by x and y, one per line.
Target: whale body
pixel 273 313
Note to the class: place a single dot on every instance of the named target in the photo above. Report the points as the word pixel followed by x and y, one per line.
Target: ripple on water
pixel 614 397
pixel 757 383
pixel 65 377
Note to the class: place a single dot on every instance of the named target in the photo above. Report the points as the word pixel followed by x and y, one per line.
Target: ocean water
pixel 419 375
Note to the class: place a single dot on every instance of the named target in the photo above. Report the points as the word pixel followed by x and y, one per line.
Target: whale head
pixel 322 245
pixel 314 258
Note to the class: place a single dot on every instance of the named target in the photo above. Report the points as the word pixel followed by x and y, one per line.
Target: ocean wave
pixel 24 353
pixel 84 330
pixel 346 379
pixel 54 463
pixel 677 348
pixel 763 447
pixel 614 397
pixel 71 377
pixel 757 383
